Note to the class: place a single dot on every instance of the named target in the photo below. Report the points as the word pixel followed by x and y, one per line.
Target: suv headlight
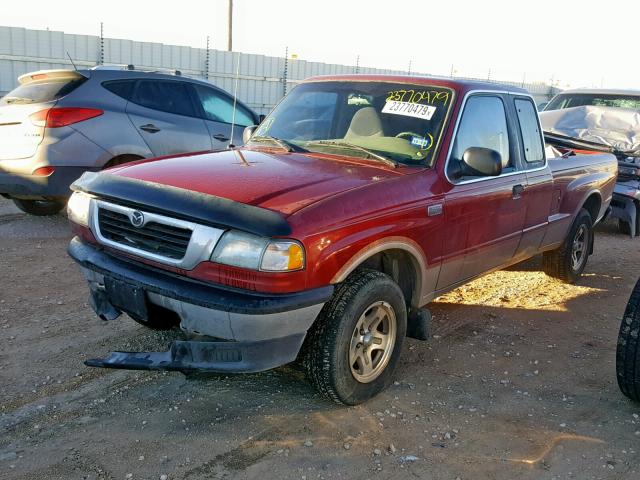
pixel 258 253
pixel 78 208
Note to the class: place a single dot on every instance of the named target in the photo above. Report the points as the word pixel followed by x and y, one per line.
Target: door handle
pixel 149 127
pixel 518 190
pixel 221 137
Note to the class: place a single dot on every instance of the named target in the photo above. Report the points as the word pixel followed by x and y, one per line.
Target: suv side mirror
pixel 480 161
pixel 248 131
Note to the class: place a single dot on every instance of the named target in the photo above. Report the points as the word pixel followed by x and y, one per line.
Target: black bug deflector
pixel 205 356
pixel 185 204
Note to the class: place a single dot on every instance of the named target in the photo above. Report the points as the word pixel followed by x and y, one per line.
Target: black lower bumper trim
pixel 190 291
pixel 203 356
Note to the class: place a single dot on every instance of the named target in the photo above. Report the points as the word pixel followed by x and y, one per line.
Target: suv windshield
pixel 396 122
pixel 38 92
pixel 582 99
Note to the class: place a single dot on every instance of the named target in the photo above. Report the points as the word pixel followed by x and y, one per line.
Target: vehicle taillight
pixel 63 116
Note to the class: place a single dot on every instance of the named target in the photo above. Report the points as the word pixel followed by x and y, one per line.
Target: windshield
pixel 39 92
pixel 399 122
pixel 581 99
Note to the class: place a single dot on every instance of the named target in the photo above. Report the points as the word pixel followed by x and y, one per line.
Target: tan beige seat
pixel 365 123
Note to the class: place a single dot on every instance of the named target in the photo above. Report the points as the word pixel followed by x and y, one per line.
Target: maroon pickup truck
pixel 356 202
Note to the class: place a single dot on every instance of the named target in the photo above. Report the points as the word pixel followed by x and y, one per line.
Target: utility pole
pixel 230 42
pixel 358 64
pixel 409 71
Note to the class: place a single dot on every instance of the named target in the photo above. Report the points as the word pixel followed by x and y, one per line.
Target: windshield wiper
pixel 353 146
pixel 284 144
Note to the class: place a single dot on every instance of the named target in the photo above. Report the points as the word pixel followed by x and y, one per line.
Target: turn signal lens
pixel 282 256
pixel 78 208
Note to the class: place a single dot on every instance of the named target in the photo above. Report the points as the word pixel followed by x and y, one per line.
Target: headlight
pixel 258 253
pixel 78 208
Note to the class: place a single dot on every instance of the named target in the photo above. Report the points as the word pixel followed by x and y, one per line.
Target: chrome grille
pixel 165 240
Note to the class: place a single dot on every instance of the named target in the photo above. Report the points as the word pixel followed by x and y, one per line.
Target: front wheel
pixel 628 351
pixel 568 262
pixel 353 348
pixel 40 207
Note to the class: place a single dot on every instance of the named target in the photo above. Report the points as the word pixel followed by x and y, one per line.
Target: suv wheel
pixel 568 262
pixel 628 351
pixel 40 207
pixel 353 348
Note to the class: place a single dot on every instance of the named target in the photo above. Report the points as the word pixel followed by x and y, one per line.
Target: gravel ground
pixel 517 382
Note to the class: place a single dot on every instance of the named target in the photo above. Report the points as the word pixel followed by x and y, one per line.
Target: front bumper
pixel 259 331
pixel 32 186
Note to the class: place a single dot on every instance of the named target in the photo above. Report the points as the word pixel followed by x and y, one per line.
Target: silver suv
pixel 58 124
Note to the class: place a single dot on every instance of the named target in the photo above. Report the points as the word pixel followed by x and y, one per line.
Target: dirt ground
pixel 517 382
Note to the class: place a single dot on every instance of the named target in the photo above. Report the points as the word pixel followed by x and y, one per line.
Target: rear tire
pixel 568 262
pixel 40 207
pixel 628 351
pixel 352 350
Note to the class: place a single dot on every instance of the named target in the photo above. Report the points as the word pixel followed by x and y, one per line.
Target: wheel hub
pixel 372 342
pixel 578 248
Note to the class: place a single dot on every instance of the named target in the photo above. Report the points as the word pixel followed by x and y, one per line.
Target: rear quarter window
pixel 121 88
pixel 530 130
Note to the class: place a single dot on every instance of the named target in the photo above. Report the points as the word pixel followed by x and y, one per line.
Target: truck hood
pixel 284 182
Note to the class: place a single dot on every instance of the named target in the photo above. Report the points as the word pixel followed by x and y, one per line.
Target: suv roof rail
pixel 166 71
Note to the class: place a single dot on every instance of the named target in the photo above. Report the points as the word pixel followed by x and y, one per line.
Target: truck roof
pixel 460 85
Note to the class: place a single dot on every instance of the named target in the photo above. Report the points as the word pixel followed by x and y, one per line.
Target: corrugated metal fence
pixel 262 79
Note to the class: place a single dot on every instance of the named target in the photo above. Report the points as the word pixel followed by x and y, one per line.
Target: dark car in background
pixel 58 124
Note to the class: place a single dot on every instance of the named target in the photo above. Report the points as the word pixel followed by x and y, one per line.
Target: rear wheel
pixel 40 207
pixel 568 262
pixel 353 348
pixel 628 351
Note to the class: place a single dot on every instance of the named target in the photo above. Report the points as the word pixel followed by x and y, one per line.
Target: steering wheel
pixel 407 134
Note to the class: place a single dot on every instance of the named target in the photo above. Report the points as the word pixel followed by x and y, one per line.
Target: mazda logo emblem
pixel 137 218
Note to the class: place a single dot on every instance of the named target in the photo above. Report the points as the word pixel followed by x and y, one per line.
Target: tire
pixel 327 353
pixel 561 263
pixel 40 207
pixel 628 351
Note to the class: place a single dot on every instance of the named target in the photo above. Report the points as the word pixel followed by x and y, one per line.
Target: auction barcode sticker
pixel 409 109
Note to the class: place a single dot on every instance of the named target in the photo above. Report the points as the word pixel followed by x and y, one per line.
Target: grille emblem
pixel 136 218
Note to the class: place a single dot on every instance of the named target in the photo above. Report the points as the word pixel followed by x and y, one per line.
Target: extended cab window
pixel 219 108
pixel 166 96
pixel 531 138
pixel 483 124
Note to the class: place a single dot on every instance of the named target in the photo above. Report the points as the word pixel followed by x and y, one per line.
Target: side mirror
pixel 261 117
pixel 480 161
pixel 248 131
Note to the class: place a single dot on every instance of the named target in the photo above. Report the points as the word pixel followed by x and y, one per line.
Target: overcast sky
pixel 576 43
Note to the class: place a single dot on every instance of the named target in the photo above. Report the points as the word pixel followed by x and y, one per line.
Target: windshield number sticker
pixel 409 109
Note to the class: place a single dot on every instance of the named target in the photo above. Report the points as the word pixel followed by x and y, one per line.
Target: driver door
pixel 484 216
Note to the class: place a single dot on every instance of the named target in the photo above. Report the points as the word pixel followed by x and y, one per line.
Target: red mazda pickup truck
pixel 356 202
